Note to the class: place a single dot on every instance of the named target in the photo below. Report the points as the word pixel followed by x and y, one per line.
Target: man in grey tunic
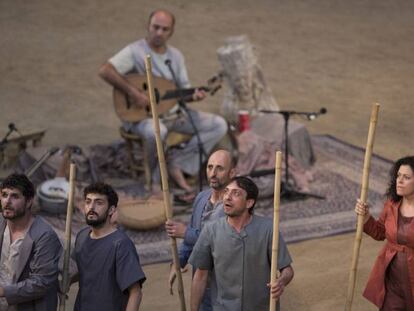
pixel 207 207
pixel 132 59
pixel 239 249
pixel 108 268
pixel 29 249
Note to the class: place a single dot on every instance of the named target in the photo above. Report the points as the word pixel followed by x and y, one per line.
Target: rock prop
pixel 248 89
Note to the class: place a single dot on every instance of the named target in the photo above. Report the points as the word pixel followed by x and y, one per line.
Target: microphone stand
pixel 29 172
pixel 181 103
pixel 4 140
pixel 288 191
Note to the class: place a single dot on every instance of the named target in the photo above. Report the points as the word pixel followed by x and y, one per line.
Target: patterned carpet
pixel 337 176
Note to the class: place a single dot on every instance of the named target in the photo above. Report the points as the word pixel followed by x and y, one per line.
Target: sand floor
pixel 342 55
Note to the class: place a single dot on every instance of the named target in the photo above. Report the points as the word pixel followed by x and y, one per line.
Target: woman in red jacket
pixel 391 283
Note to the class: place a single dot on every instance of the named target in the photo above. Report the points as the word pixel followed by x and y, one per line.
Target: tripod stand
pixel 288 191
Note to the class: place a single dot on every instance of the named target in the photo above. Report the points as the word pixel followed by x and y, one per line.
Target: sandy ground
pixel 342 55
pixel 320 284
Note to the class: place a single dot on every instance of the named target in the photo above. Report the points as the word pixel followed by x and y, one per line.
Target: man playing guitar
pixel 211 127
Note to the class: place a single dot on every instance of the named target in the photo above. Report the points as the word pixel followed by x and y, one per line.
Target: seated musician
pixel 211 127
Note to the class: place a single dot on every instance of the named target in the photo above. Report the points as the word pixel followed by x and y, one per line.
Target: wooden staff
pixel 275 241
pixel 363 198
pixel 164 179
pixel 68 235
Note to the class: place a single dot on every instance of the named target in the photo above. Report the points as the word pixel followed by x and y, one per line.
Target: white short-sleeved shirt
pixel 132 58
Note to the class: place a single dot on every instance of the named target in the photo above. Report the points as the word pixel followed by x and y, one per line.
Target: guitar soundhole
pixel 156 93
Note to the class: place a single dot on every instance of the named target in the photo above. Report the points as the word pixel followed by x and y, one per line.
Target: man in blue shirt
pixel 207 207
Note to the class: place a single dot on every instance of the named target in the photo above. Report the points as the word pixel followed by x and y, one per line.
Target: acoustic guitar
pixel 166 96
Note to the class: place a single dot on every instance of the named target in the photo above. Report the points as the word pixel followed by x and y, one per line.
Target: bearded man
pixel 207 207
pixel 109 272
pixel 29 251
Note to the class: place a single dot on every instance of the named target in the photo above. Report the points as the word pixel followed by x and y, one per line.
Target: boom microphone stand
pixel 288 191
pixel 181 103
pixel 12 128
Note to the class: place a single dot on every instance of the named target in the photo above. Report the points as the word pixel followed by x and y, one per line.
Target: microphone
pixel 12 127
pixel 313 115
pixel 167 62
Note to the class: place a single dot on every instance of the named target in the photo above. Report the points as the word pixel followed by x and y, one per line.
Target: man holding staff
pixel 29 251
pixel 109 272
pixel 207 207
pixel 237 251
pixel 131 59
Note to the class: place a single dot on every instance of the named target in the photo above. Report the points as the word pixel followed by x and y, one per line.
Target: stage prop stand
pixel 288 190
pixel 68 232
pixel 363 198
pixel 276 212
pixel 164 178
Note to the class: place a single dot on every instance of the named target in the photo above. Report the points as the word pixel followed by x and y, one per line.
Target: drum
pixel 53 195
pixel 142 214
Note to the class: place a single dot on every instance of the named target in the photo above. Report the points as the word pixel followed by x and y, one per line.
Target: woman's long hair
pixel 392 186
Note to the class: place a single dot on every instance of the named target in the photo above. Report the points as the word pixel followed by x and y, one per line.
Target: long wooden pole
pixel 164 178
pixel 68 234
pixel 276 212
pixel 363 198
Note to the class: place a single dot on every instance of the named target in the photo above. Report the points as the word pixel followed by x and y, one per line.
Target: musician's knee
pixel 220 126
pixel 147 130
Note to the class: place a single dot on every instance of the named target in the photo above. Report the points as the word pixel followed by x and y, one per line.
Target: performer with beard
pixel 109 272
pixel 207 207
pixel 29 251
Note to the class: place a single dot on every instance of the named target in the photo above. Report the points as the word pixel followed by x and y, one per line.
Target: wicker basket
pixel 142 214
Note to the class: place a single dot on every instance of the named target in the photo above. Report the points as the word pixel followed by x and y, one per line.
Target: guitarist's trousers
pixel 211 128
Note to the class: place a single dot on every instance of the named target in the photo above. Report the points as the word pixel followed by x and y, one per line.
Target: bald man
pixel 211 127
pixel 207 207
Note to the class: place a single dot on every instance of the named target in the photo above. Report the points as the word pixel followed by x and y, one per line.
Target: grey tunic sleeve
pixel 201 257
pixel 283 258
pixel 128 267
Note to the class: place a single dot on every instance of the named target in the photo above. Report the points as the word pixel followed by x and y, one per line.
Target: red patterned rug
pixel 337 176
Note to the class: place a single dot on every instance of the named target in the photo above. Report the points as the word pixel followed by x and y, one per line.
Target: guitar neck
pixel 184 93
pixel 165 92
